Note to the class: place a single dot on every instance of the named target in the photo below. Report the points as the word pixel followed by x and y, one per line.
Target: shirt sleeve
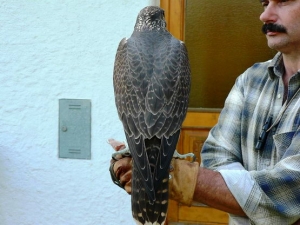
pixel 237 179
pixel 223 144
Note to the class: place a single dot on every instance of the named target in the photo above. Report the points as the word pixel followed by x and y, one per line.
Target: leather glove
pixel 182 179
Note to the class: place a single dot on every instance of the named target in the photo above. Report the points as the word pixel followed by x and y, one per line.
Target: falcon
pixel 151 86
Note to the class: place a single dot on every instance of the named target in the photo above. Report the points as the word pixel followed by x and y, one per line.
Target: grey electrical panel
pixel 75 128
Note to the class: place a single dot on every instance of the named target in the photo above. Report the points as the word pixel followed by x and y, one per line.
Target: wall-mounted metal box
pixel 75 128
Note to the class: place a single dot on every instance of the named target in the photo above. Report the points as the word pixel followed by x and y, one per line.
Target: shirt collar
pixel 276 67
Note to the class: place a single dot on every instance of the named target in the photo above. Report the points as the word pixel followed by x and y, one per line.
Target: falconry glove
pixel 183 180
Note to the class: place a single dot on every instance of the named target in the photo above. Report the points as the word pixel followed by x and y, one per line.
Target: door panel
pixel 223 39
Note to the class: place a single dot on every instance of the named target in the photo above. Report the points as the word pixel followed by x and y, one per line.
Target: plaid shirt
pixel 265 182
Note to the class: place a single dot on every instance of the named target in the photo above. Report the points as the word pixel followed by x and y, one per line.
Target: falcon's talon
pixel 171 168
pixel 184 156
pixel 124 153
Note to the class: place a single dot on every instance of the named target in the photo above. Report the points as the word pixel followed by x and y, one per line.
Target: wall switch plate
pixel 75 128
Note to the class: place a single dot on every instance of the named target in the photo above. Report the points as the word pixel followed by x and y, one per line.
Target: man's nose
pixel 269 15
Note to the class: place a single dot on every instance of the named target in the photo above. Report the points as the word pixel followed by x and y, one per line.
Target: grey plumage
pixel 151 86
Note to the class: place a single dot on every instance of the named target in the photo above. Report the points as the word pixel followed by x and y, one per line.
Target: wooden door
pixel 194 132
pixel 220 48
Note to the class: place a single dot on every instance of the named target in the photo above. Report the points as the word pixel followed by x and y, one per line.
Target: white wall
pixel 53 49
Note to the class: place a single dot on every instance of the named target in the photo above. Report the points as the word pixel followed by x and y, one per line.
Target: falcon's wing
pixel 129 82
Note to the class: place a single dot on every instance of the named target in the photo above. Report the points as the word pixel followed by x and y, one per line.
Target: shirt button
pixel 279 96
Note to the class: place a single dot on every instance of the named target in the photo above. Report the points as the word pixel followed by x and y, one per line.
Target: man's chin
pixel 275 43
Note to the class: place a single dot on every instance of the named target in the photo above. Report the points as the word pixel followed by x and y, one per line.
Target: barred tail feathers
pixel 143 211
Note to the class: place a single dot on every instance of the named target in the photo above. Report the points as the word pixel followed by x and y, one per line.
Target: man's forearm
pixel 212 190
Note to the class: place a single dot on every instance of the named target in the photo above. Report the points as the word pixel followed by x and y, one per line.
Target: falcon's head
pixel 150 18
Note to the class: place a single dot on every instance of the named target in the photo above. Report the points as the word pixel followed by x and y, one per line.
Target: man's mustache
pixel 272 27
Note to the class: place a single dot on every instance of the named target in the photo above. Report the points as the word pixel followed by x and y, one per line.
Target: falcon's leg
pixel 184 156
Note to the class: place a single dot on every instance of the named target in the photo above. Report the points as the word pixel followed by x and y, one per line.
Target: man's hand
pixel 121 167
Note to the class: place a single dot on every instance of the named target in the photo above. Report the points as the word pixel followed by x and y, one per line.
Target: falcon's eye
pixel 154 16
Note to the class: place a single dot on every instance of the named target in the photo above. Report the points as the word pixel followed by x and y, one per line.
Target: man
pixel 251 158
